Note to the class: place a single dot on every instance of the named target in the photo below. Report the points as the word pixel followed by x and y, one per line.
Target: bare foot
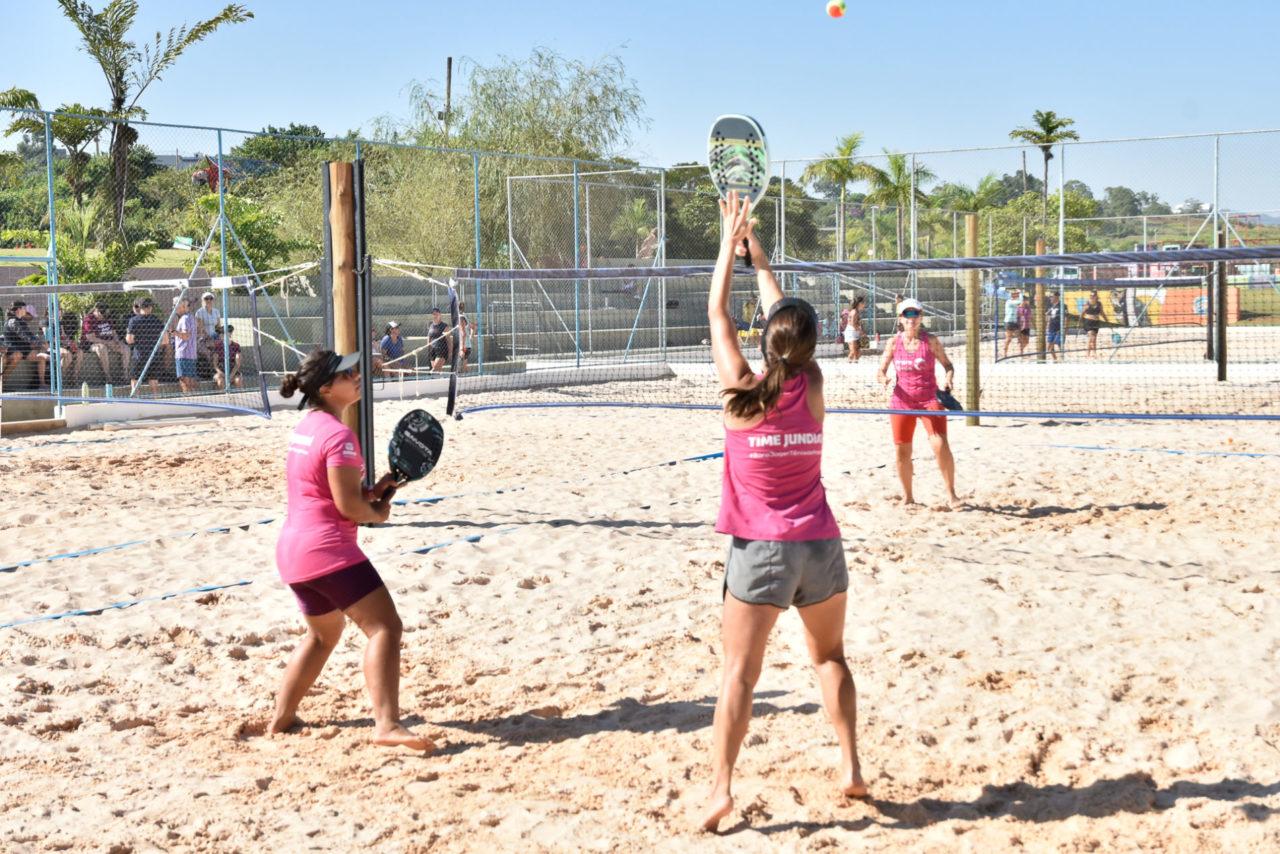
pixel 852 784
pixel 718 807
pixel 399 736
pixel 279 724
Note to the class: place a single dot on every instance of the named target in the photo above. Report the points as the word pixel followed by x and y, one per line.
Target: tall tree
pixel 1047 130
pixel 130 69
pixel 892 186
pixel 73 125
pixel 840 168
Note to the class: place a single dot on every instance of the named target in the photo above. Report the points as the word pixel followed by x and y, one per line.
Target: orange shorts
pixel 904 426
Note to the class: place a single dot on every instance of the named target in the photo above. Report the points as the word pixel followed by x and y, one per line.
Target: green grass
pixel 163 257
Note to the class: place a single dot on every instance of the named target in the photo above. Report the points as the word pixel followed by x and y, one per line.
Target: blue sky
pixel 925 75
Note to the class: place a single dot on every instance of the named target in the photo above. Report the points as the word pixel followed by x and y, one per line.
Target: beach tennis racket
pixel 948 400
pixel 738 158
pixel 415 447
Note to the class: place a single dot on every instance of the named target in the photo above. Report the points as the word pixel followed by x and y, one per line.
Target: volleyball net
pixel 1180 334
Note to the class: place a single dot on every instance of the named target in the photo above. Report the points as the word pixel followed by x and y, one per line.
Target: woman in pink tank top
pixel 785 546
pixel 914 355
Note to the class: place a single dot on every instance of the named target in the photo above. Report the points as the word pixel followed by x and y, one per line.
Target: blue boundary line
pixel 949 413
pixel 223 529
pixel 1174 451
pixel 207 588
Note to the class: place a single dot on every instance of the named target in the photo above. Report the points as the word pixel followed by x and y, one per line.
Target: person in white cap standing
pixel 915 355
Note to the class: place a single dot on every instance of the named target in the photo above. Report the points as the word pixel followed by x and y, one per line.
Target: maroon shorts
pixel 338 590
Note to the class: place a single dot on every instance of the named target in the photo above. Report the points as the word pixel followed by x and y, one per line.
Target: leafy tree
pixel 1150 204
pixel 280 146
pixel 1191 205
pixel 1120 201
pixel 1048 130
pixel 129 69
pixel 1013 186
pixel 839 169
pixel 257 228
pixel 960 197
pixel 68 127
pixel 1080 188
pixel 633 224
pixel 1007 224
pixel 892 187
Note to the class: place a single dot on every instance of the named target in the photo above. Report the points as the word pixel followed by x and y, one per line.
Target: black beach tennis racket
pixel 415 447
pixel 948 400
pixel 738 158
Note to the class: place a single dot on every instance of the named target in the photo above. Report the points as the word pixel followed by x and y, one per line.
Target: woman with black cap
pixel 786 547
pixel 317 553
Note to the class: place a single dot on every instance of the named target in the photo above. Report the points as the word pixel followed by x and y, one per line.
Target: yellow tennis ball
pixel 835 8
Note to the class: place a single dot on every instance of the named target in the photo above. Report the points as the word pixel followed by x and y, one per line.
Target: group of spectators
pixel 389 349
pixel 1017 323
pixel 195 344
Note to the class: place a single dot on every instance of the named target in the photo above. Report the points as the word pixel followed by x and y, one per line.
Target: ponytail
pixel 791 335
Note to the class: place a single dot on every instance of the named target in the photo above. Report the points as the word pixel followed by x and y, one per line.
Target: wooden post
pixel 342 224
pixel 1039 307
pixel 1221 315
pixel 972 321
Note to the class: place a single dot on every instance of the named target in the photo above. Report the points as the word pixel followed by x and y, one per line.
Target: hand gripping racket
pixel 738 158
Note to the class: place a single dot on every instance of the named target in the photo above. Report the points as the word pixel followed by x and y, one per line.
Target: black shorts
pixel 437 351
pixel 1011 326
pixel 338 590
pixel 138 361
pixel 1092 325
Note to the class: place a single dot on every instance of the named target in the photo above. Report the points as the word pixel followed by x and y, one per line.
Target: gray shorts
pixel 785 573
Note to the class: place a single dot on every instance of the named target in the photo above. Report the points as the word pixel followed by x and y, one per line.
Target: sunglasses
pixel 912 313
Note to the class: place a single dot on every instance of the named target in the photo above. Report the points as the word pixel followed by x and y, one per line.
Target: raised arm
pixel 731 368
pixel 765 280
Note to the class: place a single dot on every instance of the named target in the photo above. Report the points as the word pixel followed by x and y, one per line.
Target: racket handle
pixel 747 258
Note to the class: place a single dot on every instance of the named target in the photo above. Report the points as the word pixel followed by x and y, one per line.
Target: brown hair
pixel 789 344
pixel 312 375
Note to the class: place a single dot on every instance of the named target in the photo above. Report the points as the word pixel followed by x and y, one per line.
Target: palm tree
pixel 73 125
pixel 129 70
pixel 961 197
pixel 634 224
pixel 1049 129
pixel 893 186
pixel 842 168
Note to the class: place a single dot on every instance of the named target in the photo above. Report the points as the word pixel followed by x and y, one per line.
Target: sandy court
pixel 1086 657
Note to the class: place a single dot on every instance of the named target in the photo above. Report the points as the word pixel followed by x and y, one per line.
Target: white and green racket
pixel 738 158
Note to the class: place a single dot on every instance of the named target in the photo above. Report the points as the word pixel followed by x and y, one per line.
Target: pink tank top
pixel 916 384
pixel 773 475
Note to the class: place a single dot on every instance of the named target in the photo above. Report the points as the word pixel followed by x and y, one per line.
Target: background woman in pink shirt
pixel 786 548
pixel 914 355
pixel 318 556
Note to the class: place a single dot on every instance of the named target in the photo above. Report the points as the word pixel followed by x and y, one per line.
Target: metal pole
pixel 577 283
pixel 1216 281
pixel 1222 295
pixel 590 340
pixel 991 236
pixel 875 254
pixel 661 259
pixel 51 270
pixel 511 256
pixel 1062 198
pixel 226 299
pixel 915 235
pixel 972 310
pixel 1144 241
pixel 479 309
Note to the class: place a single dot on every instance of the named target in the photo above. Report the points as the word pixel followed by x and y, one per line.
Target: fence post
pixel 1062 200
pixel 915 236
pixel 51 271
pixel 577 283
pixel 972 310
pixel 478 317
pixel 661 259
pixel 1039 309
pixel 345 311
pixel 511 262
pixel 226 299
pixel 1222 309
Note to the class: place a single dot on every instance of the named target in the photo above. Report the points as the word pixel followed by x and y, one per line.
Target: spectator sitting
pixel 227 351
pixel 375 353
pixel 72 353
pixel 143 334
pixel 20 342
pixel 98 335
pixel 392 344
